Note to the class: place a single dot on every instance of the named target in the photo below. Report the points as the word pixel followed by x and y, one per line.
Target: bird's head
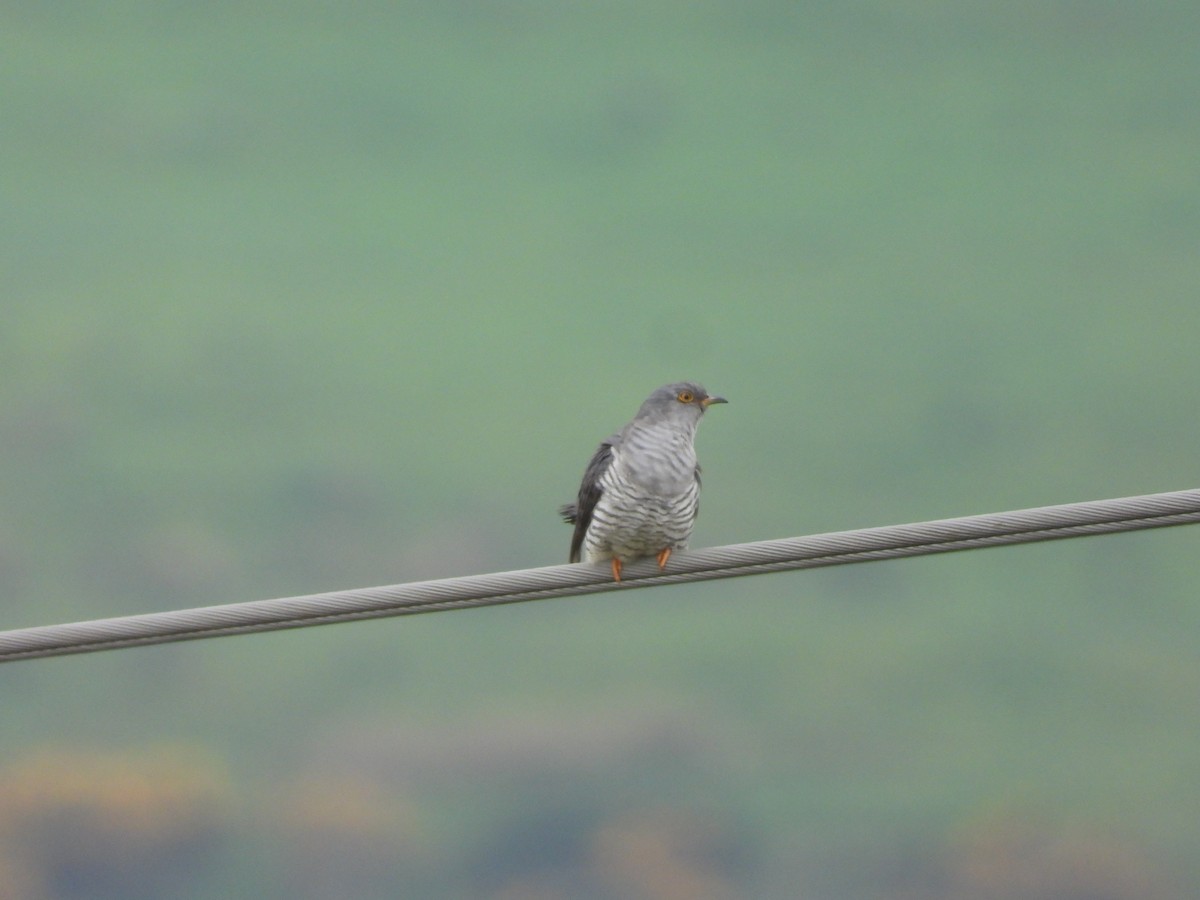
pixel 683 401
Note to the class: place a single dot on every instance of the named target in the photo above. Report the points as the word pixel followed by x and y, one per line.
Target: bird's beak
pixel 709 401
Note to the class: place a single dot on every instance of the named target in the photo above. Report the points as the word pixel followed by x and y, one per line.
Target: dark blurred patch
pixel 1024 858
pixel 640 855
pixel 99 826
pixel 345 837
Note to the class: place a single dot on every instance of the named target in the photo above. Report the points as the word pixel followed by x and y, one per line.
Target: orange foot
pixel 663 555
pixel 616 569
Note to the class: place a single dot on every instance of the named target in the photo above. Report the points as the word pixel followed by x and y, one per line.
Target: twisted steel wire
pixel 731 561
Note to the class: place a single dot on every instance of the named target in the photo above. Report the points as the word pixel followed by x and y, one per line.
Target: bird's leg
pixel 663 555
pixel 616 568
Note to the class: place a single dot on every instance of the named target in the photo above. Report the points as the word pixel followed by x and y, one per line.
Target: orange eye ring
pixel 685 397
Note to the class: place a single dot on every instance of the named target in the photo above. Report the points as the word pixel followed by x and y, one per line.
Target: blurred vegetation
pixel 301 297
pixel 75 824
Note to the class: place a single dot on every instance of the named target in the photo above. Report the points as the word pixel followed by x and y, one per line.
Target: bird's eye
pixel 685 396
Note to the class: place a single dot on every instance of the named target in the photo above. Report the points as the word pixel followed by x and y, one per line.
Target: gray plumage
pixel 641 490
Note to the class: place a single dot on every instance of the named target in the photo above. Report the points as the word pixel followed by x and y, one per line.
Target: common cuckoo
pixel 641 490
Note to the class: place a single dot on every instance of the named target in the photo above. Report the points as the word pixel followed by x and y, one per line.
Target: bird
pixel 641 491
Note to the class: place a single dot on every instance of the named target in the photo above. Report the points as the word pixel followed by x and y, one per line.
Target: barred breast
pixel 650 495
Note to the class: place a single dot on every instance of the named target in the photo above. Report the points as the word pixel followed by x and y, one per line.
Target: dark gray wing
pixel 579 513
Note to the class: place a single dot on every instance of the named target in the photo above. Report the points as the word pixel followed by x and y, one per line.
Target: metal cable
pixel 836 548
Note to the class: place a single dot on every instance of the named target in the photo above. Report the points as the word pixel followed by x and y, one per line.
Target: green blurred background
pixel 308 296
